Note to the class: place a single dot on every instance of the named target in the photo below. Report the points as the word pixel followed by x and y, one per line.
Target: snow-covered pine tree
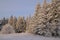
pixel 41 27
pixel 54 18
pixel 4 21
pixel 33 19
pixel 14 22
pixel 10 21
pixel 27 23
pixel 20 25
pixel 38 21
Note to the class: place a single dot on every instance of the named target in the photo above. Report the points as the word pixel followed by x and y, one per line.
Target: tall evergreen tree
pixel 33 20
pixel 4 21
pixel 20 25
pixel 27 23
pixel 53 17
pixel 14 22
pixel 40 27
pixel 10 21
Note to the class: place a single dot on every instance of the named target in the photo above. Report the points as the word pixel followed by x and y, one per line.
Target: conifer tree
pixel 27 23
pixel 40 27
pixel 20 25
pixel 39 19
pixel 3 21
pixel 14 22
pixel 33 20
pixel 53 18
pixel 10 21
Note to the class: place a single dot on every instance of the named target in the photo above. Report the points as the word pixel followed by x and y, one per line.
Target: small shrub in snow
pixel 7 29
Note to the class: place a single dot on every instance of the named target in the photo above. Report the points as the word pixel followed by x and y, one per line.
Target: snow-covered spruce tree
pixel 27 23
pixel 41 27
pixel 20 25
pixel 37 23
pixel 10 21
pixel 33 20
pixel 14 22
pixel 3 21
pixel 45 20
pixel 54 18
pixel 7 29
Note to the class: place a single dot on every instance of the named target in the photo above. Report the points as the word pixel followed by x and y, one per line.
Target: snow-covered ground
pixel 25 36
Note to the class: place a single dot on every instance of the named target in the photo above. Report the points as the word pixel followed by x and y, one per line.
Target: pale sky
pixel 17 7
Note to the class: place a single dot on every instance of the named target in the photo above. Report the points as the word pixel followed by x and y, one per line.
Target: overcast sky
pixel 17 7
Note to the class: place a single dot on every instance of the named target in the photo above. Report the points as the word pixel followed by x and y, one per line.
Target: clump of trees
pixel 45 21
pixel 3 21
pixel 18 24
